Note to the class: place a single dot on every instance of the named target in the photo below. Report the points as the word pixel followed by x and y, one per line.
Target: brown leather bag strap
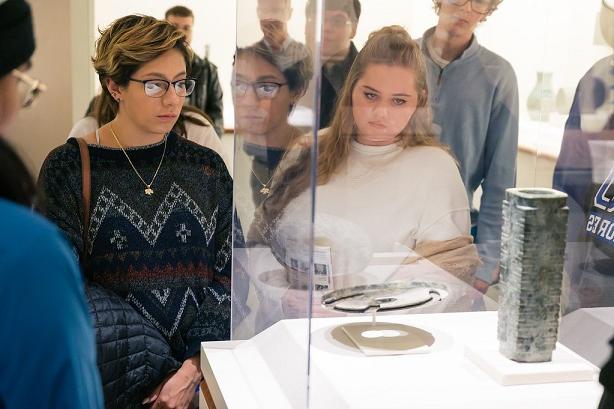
pixel 85 192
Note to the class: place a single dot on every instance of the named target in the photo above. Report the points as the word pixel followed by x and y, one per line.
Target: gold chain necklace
pixel 148 190
pixel 264 190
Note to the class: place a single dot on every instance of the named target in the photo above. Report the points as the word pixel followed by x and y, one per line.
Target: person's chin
pixel 460 26
pixel 246 129
pixel 251 124
pixel 162 129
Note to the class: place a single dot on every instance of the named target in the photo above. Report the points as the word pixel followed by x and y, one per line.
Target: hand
pixel 177 391
pixel 480 285
pixel 273 31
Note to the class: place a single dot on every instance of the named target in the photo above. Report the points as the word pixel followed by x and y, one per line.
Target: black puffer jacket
pixel 133 357
pixel 208 95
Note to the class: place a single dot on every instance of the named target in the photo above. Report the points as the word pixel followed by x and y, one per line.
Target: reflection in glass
pixel 207 95
pixel 482 132
pixel 157 88
pixel 585 171
pixel 262 89
pixel 479 6
pixel 370 200
pixel 265 91
pixel 340 21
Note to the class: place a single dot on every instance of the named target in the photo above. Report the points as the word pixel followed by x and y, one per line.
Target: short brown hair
pixel 350 7
pixel 124 46
pixel 179 11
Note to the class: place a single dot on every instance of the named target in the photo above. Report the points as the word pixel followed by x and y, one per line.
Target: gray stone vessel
pixel 532 252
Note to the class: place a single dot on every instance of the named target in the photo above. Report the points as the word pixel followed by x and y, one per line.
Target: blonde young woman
pixel 161 206
pixel 380 170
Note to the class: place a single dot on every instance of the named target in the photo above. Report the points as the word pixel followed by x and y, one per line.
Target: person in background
pixel 274 16
pixel 207 95
pixel 482 131
pixel 47 350
pixel 159 233
pixel 338 52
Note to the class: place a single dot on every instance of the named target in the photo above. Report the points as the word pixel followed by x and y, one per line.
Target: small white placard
pixel 322 268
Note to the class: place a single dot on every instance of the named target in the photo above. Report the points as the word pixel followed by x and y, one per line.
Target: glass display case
pixel 371 163
pixel 423 203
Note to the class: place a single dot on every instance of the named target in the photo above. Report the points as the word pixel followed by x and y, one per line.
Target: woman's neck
pixel 127 133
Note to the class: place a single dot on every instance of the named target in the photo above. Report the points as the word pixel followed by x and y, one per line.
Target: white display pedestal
pixel 270 370
pixel 566 366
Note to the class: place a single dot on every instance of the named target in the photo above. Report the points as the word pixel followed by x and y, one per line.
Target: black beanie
pixel 16 35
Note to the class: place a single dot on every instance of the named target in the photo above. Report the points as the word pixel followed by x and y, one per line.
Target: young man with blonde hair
pixel 473 93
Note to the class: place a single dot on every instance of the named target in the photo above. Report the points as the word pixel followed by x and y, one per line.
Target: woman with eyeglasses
pixel 159 228
pixel 266 88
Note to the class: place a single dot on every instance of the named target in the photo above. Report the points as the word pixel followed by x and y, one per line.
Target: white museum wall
pixel 37 130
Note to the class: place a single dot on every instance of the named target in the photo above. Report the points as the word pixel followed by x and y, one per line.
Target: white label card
pixel 322 268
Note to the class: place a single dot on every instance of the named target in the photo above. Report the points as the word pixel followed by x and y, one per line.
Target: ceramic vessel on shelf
pixel 540 103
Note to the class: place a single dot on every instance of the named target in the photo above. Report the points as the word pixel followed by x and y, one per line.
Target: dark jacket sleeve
pixel 573 170
pixel 214 103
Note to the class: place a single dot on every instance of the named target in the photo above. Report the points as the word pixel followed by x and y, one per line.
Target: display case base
pixel 296 360
pixel 566 366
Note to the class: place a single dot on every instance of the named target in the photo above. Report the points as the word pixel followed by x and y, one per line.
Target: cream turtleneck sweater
pixel 396 196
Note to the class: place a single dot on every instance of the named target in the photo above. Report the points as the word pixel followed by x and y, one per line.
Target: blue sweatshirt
pixel 47 350
pixel 474 100
pixel 585 171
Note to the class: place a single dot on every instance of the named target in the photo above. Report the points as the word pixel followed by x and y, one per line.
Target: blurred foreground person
pixel 47 355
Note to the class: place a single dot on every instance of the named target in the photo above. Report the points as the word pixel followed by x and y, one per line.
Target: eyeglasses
pixel 30 89
pixel 479 6
pixel 157 88
pixel 609 4
pixel 263 90
pixel 334 21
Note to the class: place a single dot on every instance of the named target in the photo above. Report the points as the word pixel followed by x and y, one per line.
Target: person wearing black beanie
pixel 17 35
pixel 47 350
pixel 15 52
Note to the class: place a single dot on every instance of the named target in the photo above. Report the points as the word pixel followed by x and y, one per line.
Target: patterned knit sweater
pixel 167 254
